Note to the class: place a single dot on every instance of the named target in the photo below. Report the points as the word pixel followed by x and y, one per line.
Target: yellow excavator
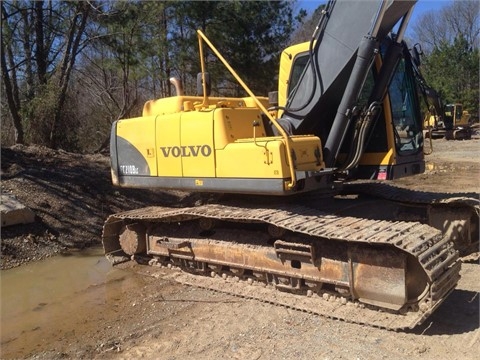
pixel 306 220
pixel 448 121
pixel 451 123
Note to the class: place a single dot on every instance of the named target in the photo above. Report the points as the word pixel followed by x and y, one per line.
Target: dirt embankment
pixel 71 195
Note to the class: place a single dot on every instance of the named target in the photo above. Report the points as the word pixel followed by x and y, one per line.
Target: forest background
pixel 71 68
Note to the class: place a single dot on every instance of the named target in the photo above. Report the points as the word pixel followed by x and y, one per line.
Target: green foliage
pixel 452 69
pixel 249 34
pixel 450 38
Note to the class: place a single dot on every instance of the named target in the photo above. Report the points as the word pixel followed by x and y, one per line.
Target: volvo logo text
pixel 186 151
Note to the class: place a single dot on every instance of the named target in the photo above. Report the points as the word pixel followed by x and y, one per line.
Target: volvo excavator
pixel 307 218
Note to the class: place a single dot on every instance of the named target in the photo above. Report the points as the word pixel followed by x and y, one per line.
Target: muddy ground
pixel 155 317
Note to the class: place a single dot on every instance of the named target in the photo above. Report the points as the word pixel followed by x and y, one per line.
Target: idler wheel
pixel 133 239
pixel 275 231
pixel 207 224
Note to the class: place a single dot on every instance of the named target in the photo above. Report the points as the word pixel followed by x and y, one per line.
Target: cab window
pixel 299 64
pixel 406 118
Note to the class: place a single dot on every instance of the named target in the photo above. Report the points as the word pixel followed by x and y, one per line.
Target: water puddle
pixel 41 296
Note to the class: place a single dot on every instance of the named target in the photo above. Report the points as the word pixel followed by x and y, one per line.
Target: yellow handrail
pixel 282 132
pixel 202 65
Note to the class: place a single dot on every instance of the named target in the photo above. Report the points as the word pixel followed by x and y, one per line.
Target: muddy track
pixel 461 209
pixel 395 193
pixel 434 253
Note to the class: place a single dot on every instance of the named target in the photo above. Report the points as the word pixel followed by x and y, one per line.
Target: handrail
pixel 202 65
pixel 202 36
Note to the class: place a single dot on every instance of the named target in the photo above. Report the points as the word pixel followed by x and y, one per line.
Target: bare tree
pixel 40 43
pixel 458 18
pixel 125 56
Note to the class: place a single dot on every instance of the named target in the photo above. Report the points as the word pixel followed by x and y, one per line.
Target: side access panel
pixel 196 144
pixel 168 137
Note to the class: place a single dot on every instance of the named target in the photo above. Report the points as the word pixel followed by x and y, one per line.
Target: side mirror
pixel 273 98
pixel 200 84
pixel 416 54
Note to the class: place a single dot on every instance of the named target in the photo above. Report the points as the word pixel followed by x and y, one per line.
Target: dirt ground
pixel 152 316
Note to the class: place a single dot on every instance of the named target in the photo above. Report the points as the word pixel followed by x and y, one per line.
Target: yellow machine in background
pixel 455 114
pixel 453 123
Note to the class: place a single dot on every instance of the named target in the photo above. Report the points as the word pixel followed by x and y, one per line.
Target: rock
pixel 13 212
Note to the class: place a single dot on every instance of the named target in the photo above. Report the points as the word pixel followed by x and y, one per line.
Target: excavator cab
pixel 455 116
pixel 394 146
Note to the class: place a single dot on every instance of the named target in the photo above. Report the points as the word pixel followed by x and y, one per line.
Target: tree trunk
pixel 73 43
pixel 40 55
pixel 17 121
pixel 13 105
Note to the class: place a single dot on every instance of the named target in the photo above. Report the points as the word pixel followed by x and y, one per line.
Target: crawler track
pixel 456 214
pixel 329 264
pixel 388 191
